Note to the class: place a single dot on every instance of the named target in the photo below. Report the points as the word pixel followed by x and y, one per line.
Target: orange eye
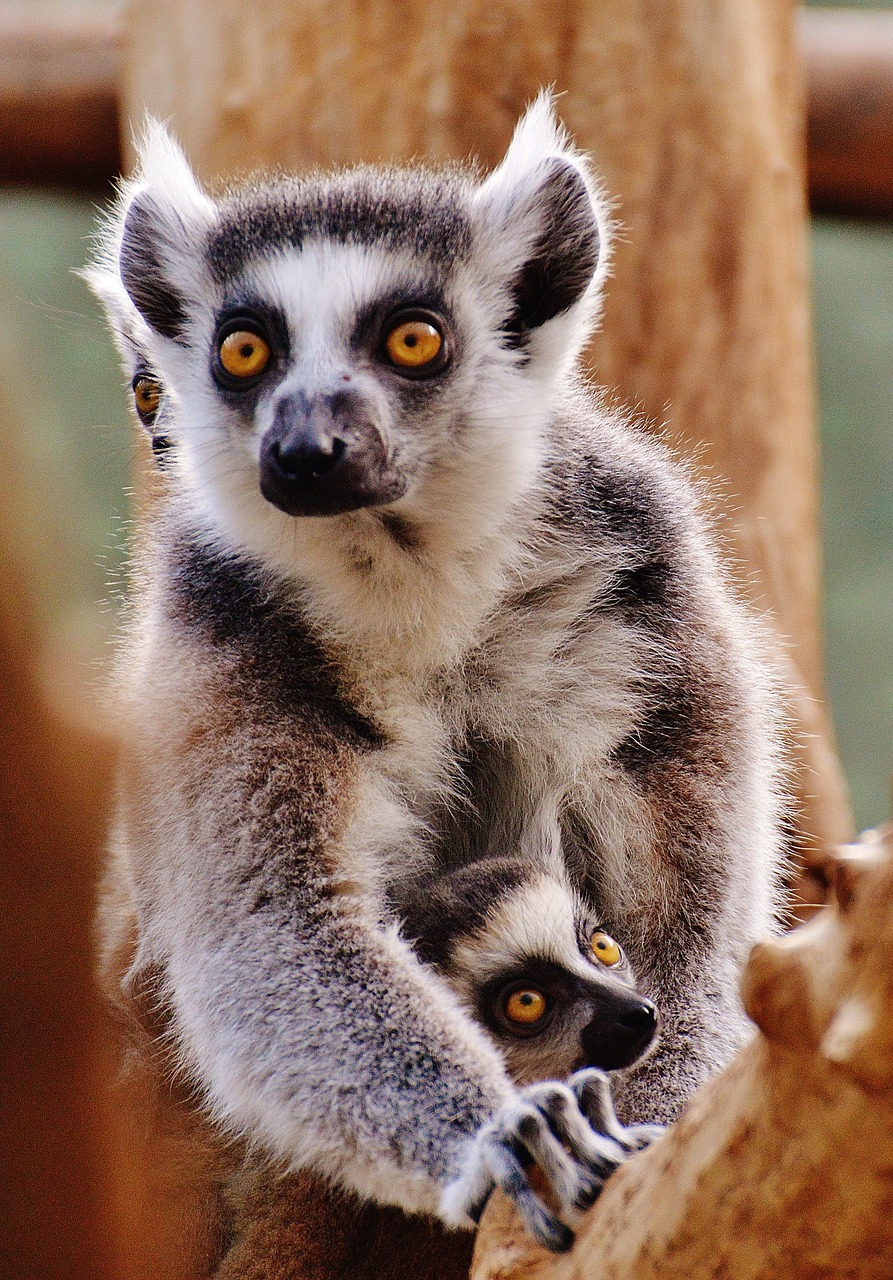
pixel 526 1006
pixel 244 354
pixel 414 344
pixel 605 949
pixel 147 398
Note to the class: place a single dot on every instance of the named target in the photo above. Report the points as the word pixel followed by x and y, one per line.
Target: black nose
pixel 304 457
pixel 620 1032
pixel 323 456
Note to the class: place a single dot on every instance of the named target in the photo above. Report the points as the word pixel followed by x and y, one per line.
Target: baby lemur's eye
pixel 523 1008
pixel 243 353
pixel 415 344
pixel 146 398
pixel 605 949
pixel 526 1006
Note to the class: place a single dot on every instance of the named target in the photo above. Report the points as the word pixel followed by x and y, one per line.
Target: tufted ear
pixel 545 221
pixel 155 239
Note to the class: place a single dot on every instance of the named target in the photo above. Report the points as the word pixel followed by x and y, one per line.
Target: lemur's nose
pixel 306 455
pixel 323 455
pixel 620 1032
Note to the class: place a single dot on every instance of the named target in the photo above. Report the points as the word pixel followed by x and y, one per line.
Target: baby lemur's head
pixel 375 344
pixel 531 961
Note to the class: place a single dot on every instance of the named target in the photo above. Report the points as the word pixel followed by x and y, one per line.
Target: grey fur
pixel 325 708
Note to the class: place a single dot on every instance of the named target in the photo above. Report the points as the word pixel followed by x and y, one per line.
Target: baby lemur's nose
pixel 619 1033
pixel 323 456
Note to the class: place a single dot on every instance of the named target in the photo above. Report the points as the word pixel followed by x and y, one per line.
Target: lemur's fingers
pixel 510 1175
pixel 592 1089
pixel 596 1156
pixel 543 1144
pixel 499 1160
pixel 543 1126
pixel 640 1136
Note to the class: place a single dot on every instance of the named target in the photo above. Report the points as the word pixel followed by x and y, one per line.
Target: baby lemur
pixel 531 962
pixel 529 959
pixel 414 582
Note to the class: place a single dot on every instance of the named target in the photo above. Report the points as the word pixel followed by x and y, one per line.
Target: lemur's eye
pixel 147 398
pixel 605 949
pixel 244 354
pixel 415 344
pixel 526 1006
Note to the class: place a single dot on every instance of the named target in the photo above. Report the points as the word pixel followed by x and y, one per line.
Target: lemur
pixel 413 582
pixel 529 959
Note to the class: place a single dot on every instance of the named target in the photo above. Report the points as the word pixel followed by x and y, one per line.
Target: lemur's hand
pixel 543 1125
pixel 592 1089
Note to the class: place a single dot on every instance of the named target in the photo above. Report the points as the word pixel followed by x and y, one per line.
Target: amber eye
pixel 244 354
pixel 414 344
pixel 526 1006
pixel 147 398
pixel 605 949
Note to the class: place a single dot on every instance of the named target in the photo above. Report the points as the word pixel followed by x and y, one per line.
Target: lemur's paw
pixel 544 1126
pixel 592 1089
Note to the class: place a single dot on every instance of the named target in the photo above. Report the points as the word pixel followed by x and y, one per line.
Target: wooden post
pixel 693 112
pixel 783 1165
pixel 57 1148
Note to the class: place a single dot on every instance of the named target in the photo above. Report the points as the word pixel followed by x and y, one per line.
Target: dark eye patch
pixel 372 322
pixel 260 317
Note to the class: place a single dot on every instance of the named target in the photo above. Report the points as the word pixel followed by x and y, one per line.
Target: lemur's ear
pixel 544 219
pixel 164 217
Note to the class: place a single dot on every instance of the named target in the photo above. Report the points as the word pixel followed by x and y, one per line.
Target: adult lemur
pixel 413 586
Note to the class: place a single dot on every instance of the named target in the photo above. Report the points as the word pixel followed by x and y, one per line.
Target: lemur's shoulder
pixel 610 480
pixel 244 625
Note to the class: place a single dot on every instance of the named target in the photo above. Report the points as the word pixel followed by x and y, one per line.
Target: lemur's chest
pixel 543 699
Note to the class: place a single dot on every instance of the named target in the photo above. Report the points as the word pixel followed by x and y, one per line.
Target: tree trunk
pixel 783 1165
pixel 692 110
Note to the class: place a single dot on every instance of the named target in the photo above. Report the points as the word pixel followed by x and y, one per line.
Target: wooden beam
pixel 849 66
pixel 59 78
pixel 59 94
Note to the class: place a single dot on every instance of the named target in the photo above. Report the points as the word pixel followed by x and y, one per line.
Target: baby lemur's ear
pixel 164 217
pixel 543 221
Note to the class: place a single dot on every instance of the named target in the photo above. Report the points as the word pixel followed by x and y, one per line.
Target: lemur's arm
pixel 310 1027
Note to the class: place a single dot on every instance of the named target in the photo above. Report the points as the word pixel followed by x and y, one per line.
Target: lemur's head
pixel 366 342
pixel 531 961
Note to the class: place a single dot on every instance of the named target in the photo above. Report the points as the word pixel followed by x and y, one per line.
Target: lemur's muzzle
pixel 323 455
pixel 621 1031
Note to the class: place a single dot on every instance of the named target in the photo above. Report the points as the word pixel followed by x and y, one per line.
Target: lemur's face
pixel 555 990
pixel 373 341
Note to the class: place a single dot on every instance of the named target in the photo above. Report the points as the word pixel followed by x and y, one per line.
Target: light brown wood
pixel 782 1166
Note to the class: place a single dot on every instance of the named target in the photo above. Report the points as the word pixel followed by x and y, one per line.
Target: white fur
pixel 540 920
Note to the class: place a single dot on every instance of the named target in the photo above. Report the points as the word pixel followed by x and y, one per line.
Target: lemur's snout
pixel 323 455
pixel 620 1032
